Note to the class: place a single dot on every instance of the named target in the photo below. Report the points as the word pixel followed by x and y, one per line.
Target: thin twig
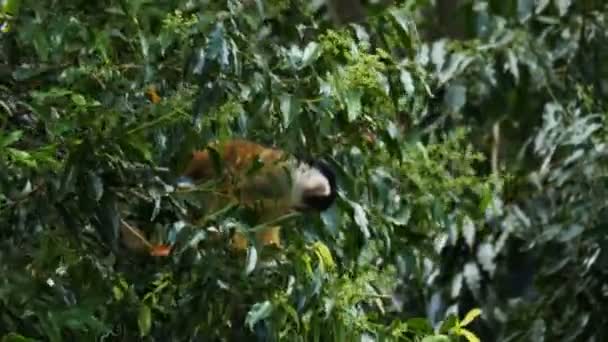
pixel 495 147
pixel 273 222
pixel 136 233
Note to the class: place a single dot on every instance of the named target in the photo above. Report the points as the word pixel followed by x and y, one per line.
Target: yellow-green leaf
pixel 469 335
pixel 470 316
pixel 324 255
pixel 118 293
pixel 144 320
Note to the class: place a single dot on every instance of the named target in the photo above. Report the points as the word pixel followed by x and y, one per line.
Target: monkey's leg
pixel 270 236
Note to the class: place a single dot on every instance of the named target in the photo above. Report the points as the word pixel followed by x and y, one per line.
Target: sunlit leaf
pixel 144 320
pixel 353 103
pixel 14 337
pixel 22 157
pixel 94 186
pixel 420 325
pixel 541 5
pixel 468 231
pixel 258 312
pixel 470 316
pixel 324 255
pixel 472 276
pixel 310 54
pixel 469 335
pixel 11 138
pixel 217 49
pixel 361 219
pixel 79 100
pixel 407 81
pixel 512 64
pixel 562 6
pixel 455 97
pixel 289 108
pixel 402 18
pixel 485 257
pixel 571 232
pixel 525 8
pixel 436 338
pixel 251 261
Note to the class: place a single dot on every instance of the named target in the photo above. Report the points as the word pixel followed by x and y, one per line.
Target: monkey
pixel 268 180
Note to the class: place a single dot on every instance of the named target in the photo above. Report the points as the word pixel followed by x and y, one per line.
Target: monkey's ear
pixel 303 156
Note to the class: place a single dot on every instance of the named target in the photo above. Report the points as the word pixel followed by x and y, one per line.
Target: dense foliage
pixel 471 168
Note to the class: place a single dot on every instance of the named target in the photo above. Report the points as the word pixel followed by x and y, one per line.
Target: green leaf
pixel 217 49
pixel 324 255
pixel 22 157
pixel 570 233
pixel 260 7
pixel 353 103
pixel 252 259
pixel 512 64
pixel 258 312
pixel 538 330
pixel 563 6
pixel 455 97
pixel 14 337
pixel 407 81
pixel 393 131
pixel 94 186
pixel 80 319
pixel 311 54
pixel 419 325
pixel 361 219
pixel 118 293
pixel 141 146
pixel 468 231
pixel 436 338
pixel 11 138
pixel 11 6
pixel 79 100
pixel 541 5
pixel 401 217
pixel 331 220
pixel 450 322
pixel 457 63
pixel 469 335
pixel 470 316
pixel 402 17
pixel 144 320
pixel 472 276
pixel 108 217
pixel 289 108
pixel 525 8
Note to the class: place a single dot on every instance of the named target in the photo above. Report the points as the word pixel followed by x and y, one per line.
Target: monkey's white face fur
pixel 308 181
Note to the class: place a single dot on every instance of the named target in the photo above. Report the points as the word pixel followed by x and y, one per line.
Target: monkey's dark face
pixel 314 187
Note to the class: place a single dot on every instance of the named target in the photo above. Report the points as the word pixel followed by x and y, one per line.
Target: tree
pixel 471 171
pixel 106 102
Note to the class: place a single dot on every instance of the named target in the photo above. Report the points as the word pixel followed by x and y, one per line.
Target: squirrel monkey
pixel 268 180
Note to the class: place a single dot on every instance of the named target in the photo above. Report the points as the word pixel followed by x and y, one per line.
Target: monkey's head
pixel 314 186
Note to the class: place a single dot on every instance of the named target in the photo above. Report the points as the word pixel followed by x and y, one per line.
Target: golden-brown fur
pixel 257 177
